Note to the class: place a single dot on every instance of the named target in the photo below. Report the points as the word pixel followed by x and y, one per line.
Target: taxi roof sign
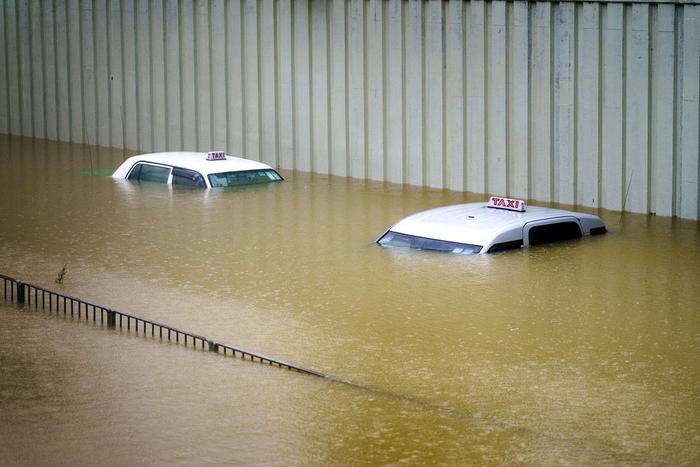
pixel 507 203
pixel 216 156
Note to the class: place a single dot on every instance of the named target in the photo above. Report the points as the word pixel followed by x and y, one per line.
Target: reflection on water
pixel 581 353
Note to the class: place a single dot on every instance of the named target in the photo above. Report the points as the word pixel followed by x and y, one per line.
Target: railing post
pixel 20 292
pixel 213 347
pixel 111 319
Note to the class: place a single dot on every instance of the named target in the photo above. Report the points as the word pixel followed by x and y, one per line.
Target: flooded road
pixel 584 352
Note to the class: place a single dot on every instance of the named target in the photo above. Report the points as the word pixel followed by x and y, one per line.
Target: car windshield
pixel 247 177
pixel 395 239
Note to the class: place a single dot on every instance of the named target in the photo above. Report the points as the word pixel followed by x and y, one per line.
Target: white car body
pixel 492 229
pixel 199 162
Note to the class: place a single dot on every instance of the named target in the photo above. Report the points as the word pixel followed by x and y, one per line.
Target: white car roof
pixel 191 160
pixel 478 224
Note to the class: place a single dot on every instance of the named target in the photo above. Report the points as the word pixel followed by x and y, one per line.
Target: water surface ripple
pixel 584 352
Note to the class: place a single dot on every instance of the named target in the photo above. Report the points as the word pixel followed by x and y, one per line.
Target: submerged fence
pixel 28 294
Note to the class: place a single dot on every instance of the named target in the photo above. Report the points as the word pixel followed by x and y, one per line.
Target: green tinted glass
pixel 248 177
pixel 150 173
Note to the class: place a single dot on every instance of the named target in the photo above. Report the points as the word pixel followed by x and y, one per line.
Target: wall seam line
pixel 295 146
pixel 488 11
pixel 258 50
pixel 651 36
pixel 212 120
pixel 123 87
pixel 329 85
pixel 276 52
pixel 55 61
pixel 139 143
pixel 624 109
pixel 310 61
pixel 575 79
pixel 599 114
pixel 365 80
pixel 44 83
pixel 18 49
pixel 96 120
pixel 30 63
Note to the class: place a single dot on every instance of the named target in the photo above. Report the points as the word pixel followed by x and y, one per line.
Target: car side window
pixel 187 178
pixel 135 172
pixel 150 173
pixel 554 232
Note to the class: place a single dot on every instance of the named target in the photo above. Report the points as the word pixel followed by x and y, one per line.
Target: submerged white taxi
pixel 199 169
pixel 499 224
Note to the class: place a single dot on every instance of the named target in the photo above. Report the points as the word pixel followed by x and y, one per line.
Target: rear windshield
pixel 248 177
pixel 395 239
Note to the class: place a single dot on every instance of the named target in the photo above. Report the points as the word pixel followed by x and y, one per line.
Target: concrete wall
pixel 580 103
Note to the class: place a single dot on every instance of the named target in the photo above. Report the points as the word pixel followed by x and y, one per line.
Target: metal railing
pixel 28 294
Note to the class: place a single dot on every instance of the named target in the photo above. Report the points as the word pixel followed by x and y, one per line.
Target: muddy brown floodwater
pixel 585 352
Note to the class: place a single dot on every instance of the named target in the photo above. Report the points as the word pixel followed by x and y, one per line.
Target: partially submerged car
pixel 199 169
pixel 499 224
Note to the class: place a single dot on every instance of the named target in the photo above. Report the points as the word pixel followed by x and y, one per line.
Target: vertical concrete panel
pixel 454 95
pixel 662 104
pixel 496 89
pixel 476 98
pixel 50 72
pixel 637 108
pixel 24 48
pixel 393 91
pixel 338 89
pixel 88 91
pixel 612 134
pixel 413 92
pixel 234 78
pixel 116 74
pixel 63 103
pixel 433 121
pixel 4 98
pixel 217 33
pixel 319 86
pixel 587 99
pixel 356 89
pixel 158 83
pixel 102 81
pixel 12 62
pixel 188 86
pixel 131 133
pixel 285 84
pixel 374 94
pixel 75 74
pixel 564 95
pixel 143 76
pixel 268 111
pixel 172 83
pixel 690 113
pixel 541 103
pixel 302 84
pixel 38 88
pixel 202 64
pixel 518 98
pixel 4 84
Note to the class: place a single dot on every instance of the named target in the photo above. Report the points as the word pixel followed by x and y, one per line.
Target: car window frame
pixel 549 221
